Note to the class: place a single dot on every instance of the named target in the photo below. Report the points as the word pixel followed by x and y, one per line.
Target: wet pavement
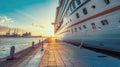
pixel 60 54
pixel 66 55
pixel 35 61
pixel 21 58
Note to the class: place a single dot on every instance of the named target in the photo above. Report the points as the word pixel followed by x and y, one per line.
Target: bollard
pixel 33 44
pixel 39 41
pixel 12 52
pixel 42 46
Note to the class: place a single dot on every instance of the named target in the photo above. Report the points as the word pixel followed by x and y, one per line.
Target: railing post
pixel 39 41
pixel 42 49
pixel 12 52
pixel 33 44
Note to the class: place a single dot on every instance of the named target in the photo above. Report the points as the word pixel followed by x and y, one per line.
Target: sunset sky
pixel 33 16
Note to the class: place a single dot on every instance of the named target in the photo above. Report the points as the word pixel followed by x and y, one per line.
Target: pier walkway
pixel 60 54
pixel 66 55
pixel 21 58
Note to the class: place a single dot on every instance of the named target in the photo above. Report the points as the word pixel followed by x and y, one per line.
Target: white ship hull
pixel 100 36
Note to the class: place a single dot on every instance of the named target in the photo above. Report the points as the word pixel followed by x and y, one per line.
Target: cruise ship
pixel 90 23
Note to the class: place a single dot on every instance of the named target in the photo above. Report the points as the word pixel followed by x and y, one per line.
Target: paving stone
pixel 59 55
pixel 52 63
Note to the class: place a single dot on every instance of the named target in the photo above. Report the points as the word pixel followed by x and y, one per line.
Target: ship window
pixel 66 13
pixel 93 6
pixel 69 30
pixel 84 27
pixel 75 29
pixel 73 4
pixel 93 26
pixel 71 9
pixel 70 20
pixel 118 21
pixel 80 28
pixel 85 11
pixel 78 2
pixel 107 1
pixel 77 15
pixel 104 22
pixel 72 30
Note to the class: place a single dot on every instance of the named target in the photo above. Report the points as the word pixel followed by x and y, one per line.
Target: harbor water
pixel 19 43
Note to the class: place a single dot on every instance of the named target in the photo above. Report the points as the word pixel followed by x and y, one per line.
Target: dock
pixel 60 54
pixel 67 55
pixel 21 58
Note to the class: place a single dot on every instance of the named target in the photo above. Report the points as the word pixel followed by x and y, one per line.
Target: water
pixel 19 43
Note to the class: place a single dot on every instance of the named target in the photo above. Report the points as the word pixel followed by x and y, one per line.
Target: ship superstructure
pixel 91 23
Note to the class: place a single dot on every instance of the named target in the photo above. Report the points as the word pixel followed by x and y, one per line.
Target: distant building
pixel 7 34
pixel 27 34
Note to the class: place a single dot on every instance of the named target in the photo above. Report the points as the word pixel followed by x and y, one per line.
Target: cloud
pixel 37 25
pixel 5 19
pixel 4 29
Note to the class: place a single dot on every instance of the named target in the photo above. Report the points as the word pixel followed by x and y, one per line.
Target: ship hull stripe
pixel 97 15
